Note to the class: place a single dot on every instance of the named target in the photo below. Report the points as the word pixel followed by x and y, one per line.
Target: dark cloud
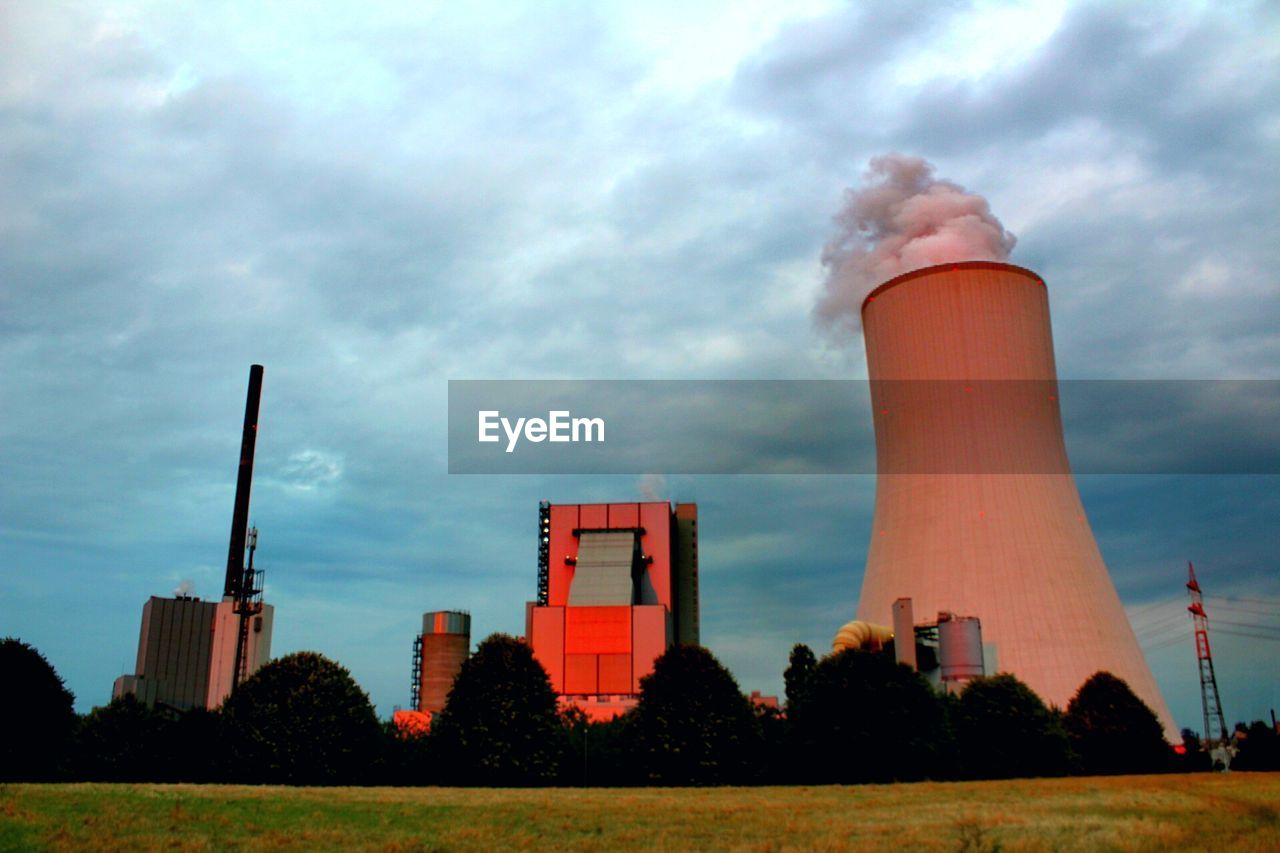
pixel 831 78
pixel 1172 84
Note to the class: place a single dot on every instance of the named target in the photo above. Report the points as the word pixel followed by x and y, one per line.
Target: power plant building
pixel 192 653
pixel 173 654
pixel 186 652
pixel 617 585
pixel 977 511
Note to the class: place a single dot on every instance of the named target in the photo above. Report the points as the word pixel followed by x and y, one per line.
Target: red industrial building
pixel 617 585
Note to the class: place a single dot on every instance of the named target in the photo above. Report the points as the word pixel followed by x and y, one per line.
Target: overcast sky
pixel 372 199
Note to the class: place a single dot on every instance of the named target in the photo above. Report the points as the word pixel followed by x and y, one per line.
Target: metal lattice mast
pixel 1209 699
pixel 544 551
pixel 415 689
pixel 248 603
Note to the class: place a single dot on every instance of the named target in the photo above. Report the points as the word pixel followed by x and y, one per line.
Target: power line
pixel 1223 606
pixel 1155 605
pixel 1274 639
pixel 1151 632
pixel 1164 620
pixel 1249 625
pixel 1271 602
pixel 1163 644
pixel 1160 628
pixel 1162 632
pixel 1178 614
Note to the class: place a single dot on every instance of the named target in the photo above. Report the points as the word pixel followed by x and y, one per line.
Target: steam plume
pixel 653 487
pixel 184 588
pixel 901 219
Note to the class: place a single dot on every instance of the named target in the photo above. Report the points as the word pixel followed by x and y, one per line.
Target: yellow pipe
pixel 860 635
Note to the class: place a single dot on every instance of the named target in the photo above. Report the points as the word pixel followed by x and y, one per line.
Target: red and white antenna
pixel 1209 699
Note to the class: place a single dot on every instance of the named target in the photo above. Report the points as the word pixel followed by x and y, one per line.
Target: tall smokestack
pixel 244 481
pixel 976 509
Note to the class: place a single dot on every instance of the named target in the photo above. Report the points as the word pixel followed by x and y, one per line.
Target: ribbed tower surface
pixel 976 508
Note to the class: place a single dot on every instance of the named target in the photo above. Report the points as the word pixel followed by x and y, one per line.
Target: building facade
pixel 617 585
pixel 186 652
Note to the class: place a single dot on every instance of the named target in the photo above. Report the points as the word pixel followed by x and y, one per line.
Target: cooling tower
pixel 976 508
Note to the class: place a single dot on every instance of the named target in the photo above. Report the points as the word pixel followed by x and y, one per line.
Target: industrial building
pixel 192 653
pixel 186 652
pixel 617 585
pixel 438 653
pixel 948 650
pixel 976 509
pixel 173 654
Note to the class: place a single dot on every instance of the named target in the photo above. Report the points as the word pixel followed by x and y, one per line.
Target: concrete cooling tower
pixel 977 512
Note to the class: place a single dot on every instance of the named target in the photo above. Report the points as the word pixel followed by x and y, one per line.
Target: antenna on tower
pixel 248 603
pixel 1216 736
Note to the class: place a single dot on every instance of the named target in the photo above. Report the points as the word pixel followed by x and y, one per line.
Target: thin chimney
pixel 240 515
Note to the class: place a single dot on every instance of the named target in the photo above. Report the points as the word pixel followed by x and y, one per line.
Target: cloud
pixel 308 470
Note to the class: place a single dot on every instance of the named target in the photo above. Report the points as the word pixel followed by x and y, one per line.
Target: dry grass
pixel 1235 811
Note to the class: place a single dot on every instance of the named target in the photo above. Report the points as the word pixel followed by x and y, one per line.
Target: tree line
pixel 851 717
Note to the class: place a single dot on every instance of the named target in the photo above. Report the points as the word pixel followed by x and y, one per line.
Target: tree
pixel 774 766
pixel 1193 759
pixel 37 719
pixel 500 724
pixel 123 741
pixel 597 751
pixel 692 725
pixel 1112 730
pixel 1259 748
pixel 798 674
pixel 195 746
pixel 1004 731
pixel 301 720
pixel 869 719
pixel 798 680
pixel 406 756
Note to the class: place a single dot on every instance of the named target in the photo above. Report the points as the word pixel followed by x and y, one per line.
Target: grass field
pixel 1234 811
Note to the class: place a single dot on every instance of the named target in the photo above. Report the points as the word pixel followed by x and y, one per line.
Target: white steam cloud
pixel 653 487
pixel 902 218
pixel 183 588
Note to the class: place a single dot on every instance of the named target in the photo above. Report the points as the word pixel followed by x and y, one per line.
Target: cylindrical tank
pixel 446 643
pixel 960 648
pixel 976 509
